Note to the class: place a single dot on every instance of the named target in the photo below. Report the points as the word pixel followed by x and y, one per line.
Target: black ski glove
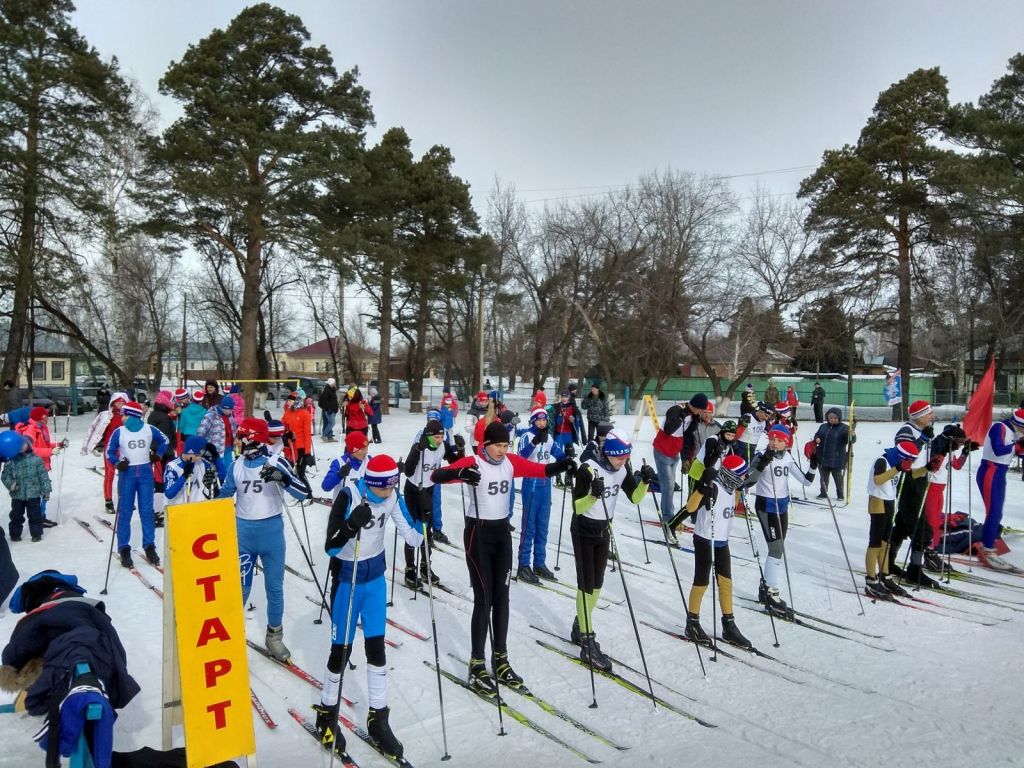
pixel 764 461
pixel 648 474
pixel 271 474
pixel 424 443
pixel 358 518
pixel 122 465
pixel 470 476
pixel 460 442
pixel 562 465
pixel 188 468
pixel 597 487
pixel 540 437
pixel 809 476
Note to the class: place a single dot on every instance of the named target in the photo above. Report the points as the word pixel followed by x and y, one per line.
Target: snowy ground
pixel 947 694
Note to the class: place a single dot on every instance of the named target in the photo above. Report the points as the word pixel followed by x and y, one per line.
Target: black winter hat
pixel 699 401
pixel 496 432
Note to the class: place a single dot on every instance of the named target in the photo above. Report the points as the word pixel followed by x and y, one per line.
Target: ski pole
pixel 437 654
pixel 640 519
pixel 113 534
pixel 675 572
pixel 629 603
pixel 714 587
pixel 757 557
pixel 394 567
pixel 782 535
pixel 346 643
pixel 60 477
pixel 849 567
pixel 561 523
pixel 945 521
pixel 970 518
pixel 305 554
pixel 487 610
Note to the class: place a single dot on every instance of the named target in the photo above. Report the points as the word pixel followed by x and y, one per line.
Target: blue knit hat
pixel 227 403
pixel 616 444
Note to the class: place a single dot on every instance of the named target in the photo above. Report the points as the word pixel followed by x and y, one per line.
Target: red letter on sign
pixel 207 582
pixel 219 718
pixel 212 629
pixel 215 669
pixel 199 547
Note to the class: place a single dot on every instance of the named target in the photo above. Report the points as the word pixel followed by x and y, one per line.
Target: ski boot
pixel 440 538
pixel 158 520
pixel 694 632
pixel 731 633
pixel 480 679
pixel 591 653
pixel 544 572
pixel 917 576
pixel 411 580
pixel 48 523
pixel 126 557
pixel 874 589
pixel 670 534
pixel 328 728
pixel 504 672
pixel 933 562
pixel 380 731
pixel 152 556
pixel 108 507
pixel 776 605
pixel 890 586
pixel 993 560
pixel 525 573
pixel 428 575
pixel 275 644
pixel 574 634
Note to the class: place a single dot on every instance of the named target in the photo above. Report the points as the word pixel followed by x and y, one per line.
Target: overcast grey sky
pixel 568 98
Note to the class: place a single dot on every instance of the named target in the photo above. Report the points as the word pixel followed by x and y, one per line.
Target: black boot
pixel 427 574
pixel 440 538
pixel 158 520
pixel 731 633
pixel 380 731
pixel 544 572
pixel 574 634
pixel 590 653
pixel 776 605
pixel 933 561
pixel 504 672
pixel 694 632
pixel 328 728
pixel 891 586
pixel 152 556
pixel 126 557
pixel 411 581
pixel 526 574
pixel 480 679
pixel 917 576
pixel 108 507
pixel 874 589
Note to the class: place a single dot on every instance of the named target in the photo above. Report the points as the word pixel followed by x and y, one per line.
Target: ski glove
pixel 597 487
pixel 460 441
pixel 122 465
pixel 562 465
pixel 540 437
pixel 97 451
pixel 470 476
pixel 188 469
pixel 814 462
pixel 809 477
pixel 648 474
pixel 936 462
pixel 358 518
pixel 764 461
pixel 270 473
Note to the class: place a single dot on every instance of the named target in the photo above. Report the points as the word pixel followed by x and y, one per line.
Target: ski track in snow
pixel 948 695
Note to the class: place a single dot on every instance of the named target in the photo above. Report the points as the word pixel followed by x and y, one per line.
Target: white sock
pixel 376 686
pixel 772 570
pixel 332 686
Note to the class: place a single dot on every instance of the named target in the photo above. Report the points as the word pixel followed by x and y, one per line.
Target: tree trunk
pixel 249 336
pixel 906 327
pixel 384 353
pixel 418 355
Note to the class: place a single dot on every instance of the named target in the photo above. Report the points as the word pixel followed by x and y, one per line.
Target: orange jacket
pixel 42 443
pixel 300 424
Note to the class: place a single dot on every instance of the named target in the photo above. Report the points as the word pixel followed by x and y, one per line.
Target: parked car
pixel 39 397
pixel 61 397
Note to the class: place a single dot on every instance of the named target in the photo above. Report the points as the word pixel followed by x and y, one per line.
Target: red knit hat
pixel 181 395
pixel 131 409
pixel 919 408
pixel 381 472
pixel 38 413
pixel 355 441
pixel 907 449
pixel 197 395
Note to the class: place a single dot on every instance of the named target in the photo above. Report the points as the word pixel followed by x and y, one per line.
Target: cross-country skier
pixel 910 504
pixel 537 445
pixel 191 477
pixel 488 542
pixel 714 516
pixel 1004 439
pixel 429 451
pixel 951 439
pixel 258 482
pixel 751 429
pixel 597 485
pixel 775 467
pixel 132 448
pixel 882 493
pixel 96 439
pixel 355 537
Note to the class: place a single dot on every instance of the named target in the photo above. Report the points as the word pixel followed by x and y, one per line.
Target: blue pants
pixel 328 417
pixel 136 481
pixel 368 602
pixel 436 519
pixel 667 468
pixel 263 539
pixel 536 516
pixel 564 439
pixel 991 480
pixel 447 418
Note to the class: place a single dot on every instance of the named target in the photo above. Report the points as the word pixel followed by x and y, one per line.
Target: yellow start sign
pixel 210 632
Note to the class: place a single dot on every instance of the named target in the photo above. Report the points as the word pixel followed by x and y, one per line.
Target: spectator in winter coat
pixel 818 404
pixel 218 427
pixel 26 479
pixel 12 396
pixel 357 412
pixel 792 399
pixel 328 403
pixel 748 403
pixel 675 441
pixel 449 408
pixel 595 405
pixel 831 444
pixel 44 446
pixel 102 398
pixel 375 416
pixel 212 395
pixel 476 411
pixel 191 416
pixel 771 394
pixel 567 422
pixel 299 423
pixel 239 398
pixel 102 427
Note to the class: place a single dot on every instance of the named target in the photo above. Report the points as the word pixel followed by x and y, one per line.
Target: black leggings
pixel 414 502
pixel 590 542
pixel 375 655
pixel 489 558
pixel 881 525
pixel 909 520
pixel 774 528
pixel 702 561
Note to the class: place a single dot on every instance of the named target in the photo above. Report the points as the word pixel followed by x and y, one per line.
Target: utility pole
pixel 480 333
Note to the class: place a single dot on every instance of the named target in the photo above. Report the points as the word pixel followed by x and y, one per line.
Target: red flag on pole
pixel 979 409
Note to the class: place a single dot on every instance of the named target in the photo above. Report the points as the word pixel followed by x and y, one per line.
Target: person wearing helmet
pixel 25 477
pixel 258 483
pixel 487 538
pixel 882 484
pixel 598 483
pixel 713 518
pixel 132 448
pixel 774 468
pixel 98 436
pixel 355 538
pixel 429 451
pixel 218 429
pixel 537 445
